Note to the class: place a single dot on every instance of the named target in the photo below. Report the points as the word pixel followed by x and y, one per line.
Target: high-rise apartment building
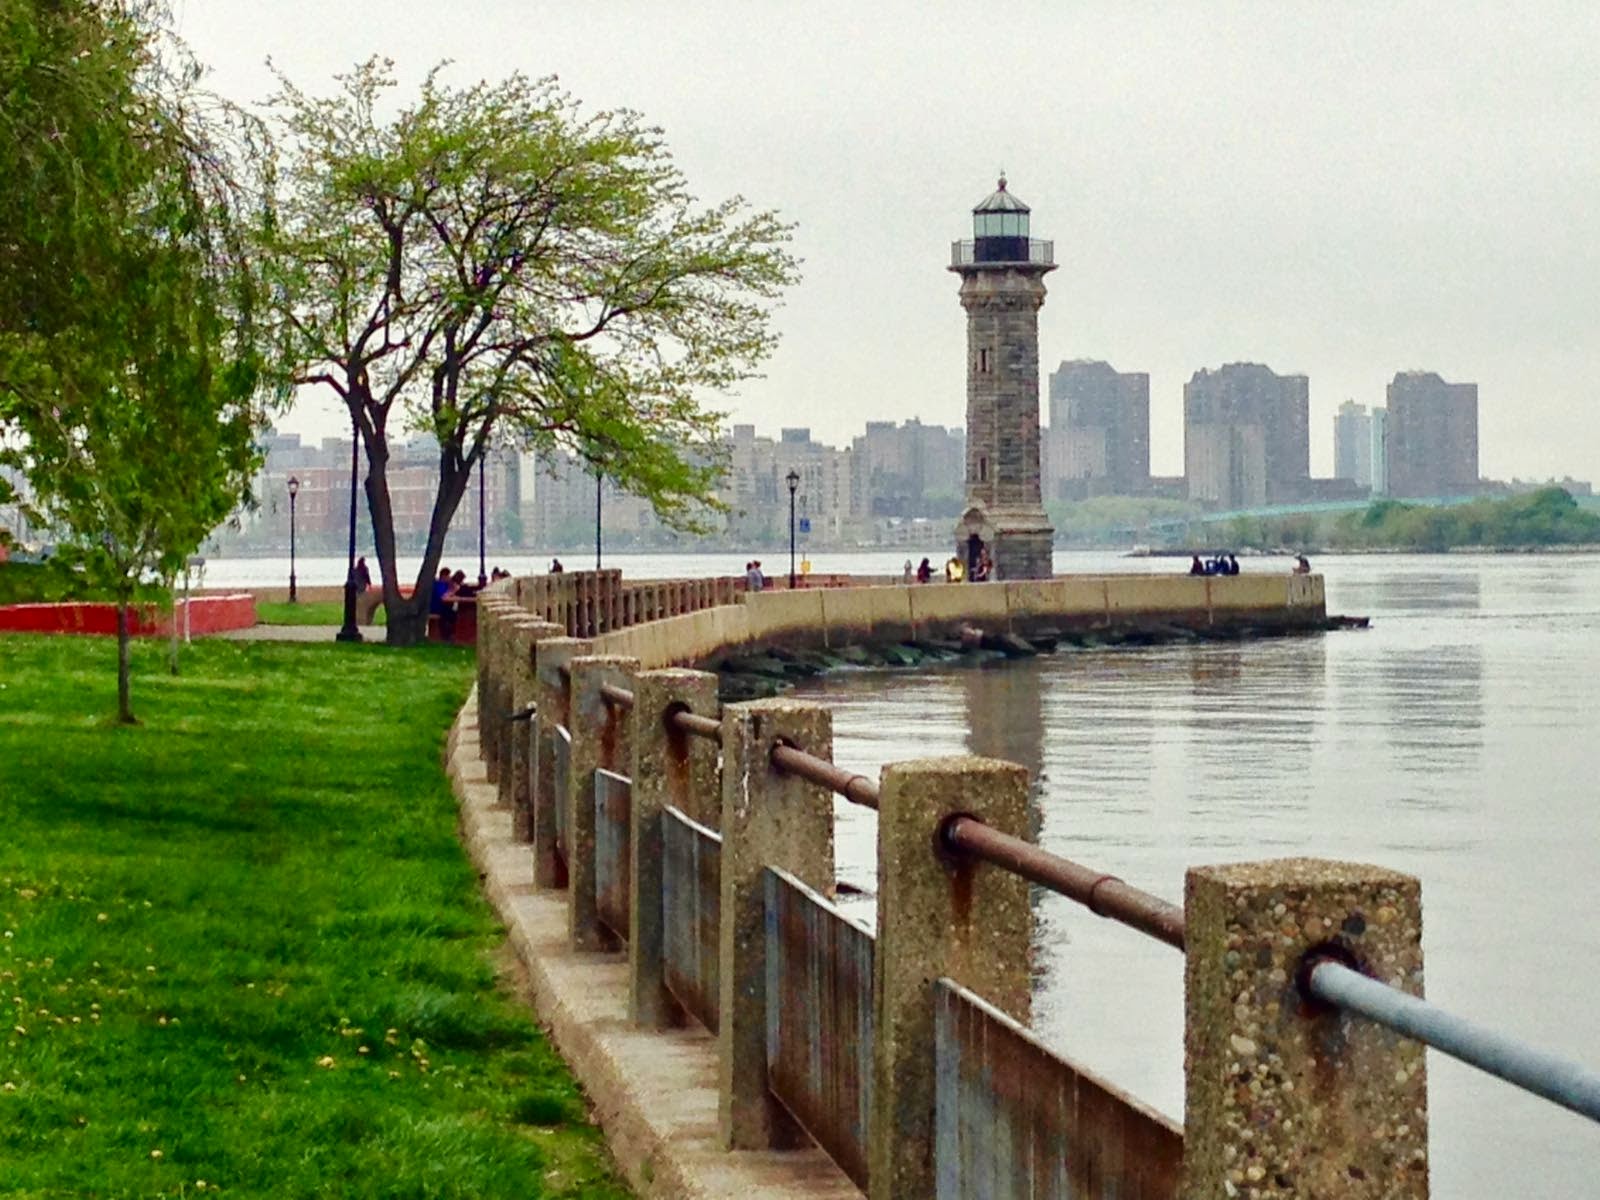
pixel 1380 452
pixel 901 469
pixel 1433 436
pixel 1099 431
pixel 1352 443
pixel 1246 436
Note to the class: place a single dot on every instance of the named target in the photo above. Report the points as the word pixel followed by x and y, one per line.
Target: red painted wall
pixel 207 614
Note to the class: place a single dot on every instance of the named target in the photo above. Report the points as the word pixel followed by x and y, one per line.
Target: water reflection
pixel 1458 740
pixel 1433 698
pixel 1455 591
pixel 1004 706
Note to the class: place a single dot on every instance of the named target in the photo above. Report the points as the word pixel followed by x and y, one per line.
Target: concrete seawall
pixel 835 617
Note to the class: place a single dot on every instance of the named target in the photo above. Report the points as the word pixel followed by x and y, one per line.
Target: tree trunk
pixel 172 647
pixel 407 620
pixel 124 701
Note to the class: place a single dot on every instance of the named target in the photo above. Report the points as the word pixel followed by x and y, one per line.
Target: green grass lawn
pixel 320 612
pixel 241 944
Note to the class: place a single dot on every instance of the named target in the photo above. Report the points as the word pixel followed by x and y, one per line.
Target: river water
pixel 1458 739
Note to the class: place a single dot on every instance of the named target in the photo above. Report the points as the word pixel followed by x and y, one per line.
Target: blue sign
pixel 805 524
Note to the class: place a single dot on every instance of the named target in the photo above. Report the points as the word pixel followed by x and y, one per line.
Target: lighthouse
pixel 1002 273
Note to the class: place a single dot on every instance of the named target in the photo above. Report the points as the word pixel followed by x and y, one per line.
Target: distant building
pixel 1432 436
pixel 1246 436
pixel 1379 451
pixel 1099 431
pixel 1352 443
pixel 904 470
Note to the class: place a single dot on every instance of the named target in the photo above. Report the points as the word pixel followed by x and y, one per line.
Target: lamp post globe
pixel 294 490
pixel 793 480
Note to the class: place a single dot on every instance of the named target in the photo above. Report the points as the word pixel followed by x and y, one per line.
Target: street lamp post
pixel 348 631
pixel 294 490
pixel 483 575
pixel 599 485
pixel 793 480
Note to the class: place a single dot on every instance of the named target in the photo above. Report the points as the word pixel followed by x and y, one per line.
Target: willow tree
pixel 491 265
pixel 130 360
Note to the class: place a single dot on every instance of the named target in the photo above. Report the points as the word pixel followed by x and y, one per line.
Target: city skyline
pixel 1222 183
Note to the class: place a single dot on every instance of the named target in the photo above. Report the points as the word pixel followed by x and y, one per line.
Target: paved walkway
pixel 288 633
pixel 654 1092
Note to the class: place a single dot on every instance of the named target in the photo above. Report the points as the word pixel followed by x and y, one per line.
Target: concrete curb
pixel 653 1093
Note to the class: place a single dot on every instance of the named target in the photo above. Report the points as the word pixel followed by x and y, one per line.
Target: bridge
pixel 665 864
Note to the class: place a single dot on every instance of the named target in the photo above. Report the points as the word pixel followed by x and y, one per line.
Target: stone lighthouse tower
pixel 1002 286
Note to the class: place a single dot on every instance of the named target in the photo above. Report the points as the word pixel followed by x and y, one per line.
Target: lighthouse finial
pixel 1002 179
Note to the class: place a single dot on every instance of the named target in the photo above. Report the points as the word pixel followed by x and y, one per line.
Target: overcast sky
pixel 1339 191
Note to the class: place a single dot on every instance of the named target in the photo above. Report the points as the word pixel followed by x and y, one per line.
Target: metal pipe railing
pixel 1104 895
pixel 695 725
pixel 1558 1080
pixel 523 714
pixel 858 789
pixel 617 697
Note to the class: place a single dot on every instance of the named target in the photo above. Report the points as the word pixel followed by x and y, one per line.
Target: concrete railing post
pixel 1282 1100
pixel 768 820
pixel 511 647
pixel 550 657
pixel 489 632
pixel 668 768
pixel 602 737
pixel 525 735
pixel 937 917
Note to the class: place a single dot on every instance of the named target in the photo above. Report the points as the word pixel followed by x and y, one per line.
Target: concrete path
pixel 286 633
pixel 654 1093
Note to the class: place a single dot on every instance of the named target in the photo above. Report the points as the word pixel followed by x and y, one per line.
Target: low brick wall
pixel 207 614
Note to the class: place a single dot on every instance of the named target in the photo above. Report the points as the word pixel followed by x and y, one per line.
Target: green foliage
pixel 244 945
pixel 131 367
pixel 36 583
pixel 492 265
pixel 307 612
pixel 1549 517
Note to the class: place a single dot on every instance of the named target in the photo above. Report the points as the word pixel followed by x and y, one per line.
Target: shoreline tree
pixel 491 266
pixel 131 367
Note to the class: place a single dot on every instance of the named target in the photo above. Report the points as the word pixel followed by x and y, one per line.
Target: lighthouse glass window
pixel 1001 224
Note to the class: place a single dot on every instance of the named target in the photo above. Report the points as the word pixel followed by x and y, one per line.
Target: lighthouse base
pixel 1020 541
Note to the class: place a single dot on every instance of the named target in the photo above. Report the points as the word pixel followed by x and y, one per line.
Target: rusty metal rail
pixel 858 789
pixel 615 696
pixel 1102 894
pixel 695 725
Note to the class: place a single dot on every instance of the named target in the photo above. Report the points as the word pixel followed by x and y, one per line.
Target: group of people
pixel 754 579
pixel 1222 564
pixel 448 588
pixel 1227 564
pixel 955 571
pixel 451 587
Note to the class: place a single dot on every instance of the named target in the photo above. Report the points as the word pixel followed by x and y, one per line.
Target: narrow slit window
pixel 983 470
pixel 983 361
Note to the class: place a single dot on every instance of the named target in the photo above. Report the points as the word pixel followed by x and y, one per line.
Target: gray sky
pixel 1340 191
